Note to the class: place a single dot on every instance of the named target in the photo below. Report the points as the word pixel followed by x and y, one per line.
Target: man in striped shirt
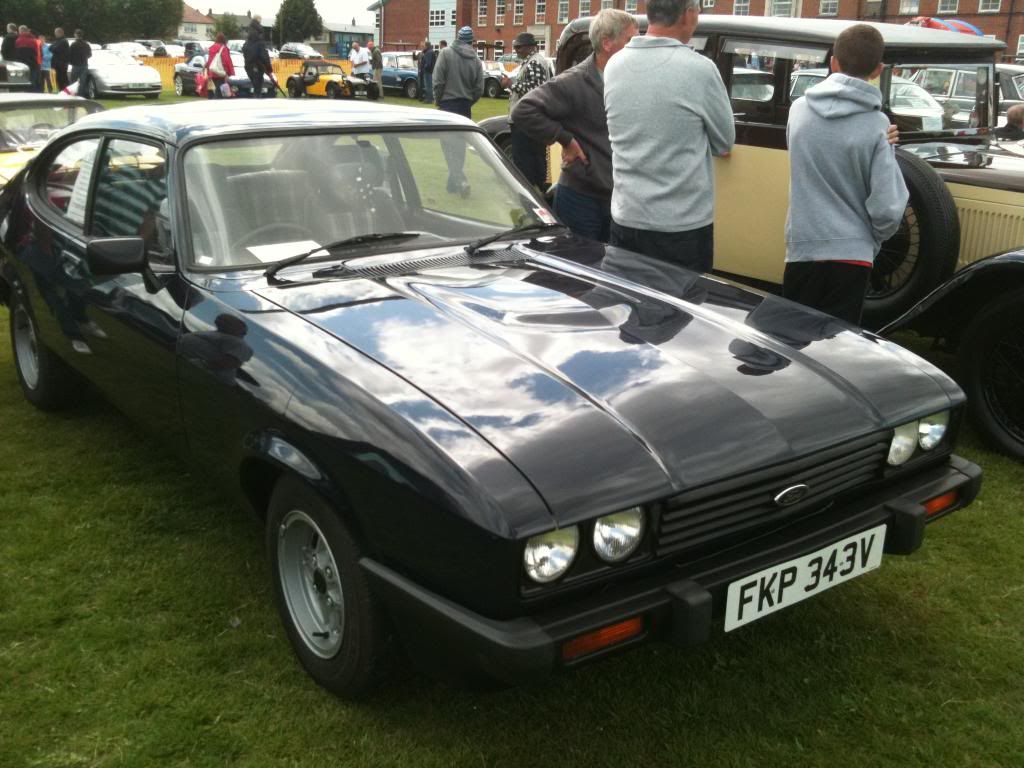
pixel 529 156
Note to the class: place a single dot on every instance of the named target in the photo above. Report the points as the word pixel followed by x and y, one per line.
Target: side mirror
pixel 116 255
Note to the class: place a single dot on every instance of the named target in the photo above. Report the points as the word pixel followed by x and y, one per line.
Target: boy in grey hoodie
pixel 847 194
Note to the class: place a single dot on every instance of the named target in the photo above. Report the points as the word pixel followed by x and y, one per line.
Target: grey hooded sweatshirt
pixel 458 74
pixel 846 194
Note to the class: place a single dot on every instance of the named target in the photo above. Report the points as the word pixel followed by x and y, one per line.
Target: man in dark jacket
pixel 426 70
pixel 256 56
pixel 60 51
pixel 79 53
pixel 570 110
pixel 7 48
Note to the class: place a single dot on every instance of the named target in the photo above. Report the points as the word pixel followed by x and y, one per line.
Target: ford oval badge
pixel 791 495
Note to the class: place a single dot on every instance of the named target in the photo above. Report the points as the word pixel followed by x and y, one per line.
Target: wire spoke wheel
pixel 898 258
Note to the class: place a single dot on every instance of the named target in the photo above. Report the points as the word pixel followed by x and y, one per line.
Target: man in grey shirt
pixel 569 109
pixel 668 113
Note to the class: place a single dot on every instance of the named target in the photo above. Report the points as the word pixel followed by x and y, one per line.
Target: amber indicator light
pixel 939 503
pixel 602 638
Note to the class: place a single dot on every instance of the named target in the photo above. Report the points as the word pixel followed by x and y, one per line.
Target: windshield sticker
pixel 545 215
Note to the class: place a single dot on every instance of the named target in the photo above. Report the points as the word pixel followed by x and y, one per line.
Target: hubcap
pixel 310 583
pixel 178 86
pixel 26 350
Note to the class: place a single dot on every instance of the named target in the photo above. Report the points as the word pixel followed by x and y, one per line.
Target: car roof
pixel 823 31
pixel 36 99
pixel 189 121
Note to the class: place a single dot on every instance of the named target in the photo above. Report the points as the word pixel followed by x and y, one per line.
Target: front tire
pixel 46 381
pixel 179 86
pixel 492 89
pixel 331 617
pixel 411 89
pixel 922 254
pixel 333 91
pixel 294 91
pixel 992 370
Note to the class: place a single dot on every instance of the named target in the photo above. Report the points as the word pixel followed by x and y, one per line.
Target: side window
pixel 68 177
pixel 935 81
pixel 761 74
pixel 966 85
pixel 131 196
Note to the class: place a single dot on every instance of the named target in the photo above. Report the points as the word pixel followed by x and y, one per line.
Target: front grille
pixel 724 511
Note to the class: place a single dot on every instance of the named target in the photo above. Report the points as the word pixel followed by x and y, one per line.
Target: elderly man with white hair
pixel 569 109
pixel 668 113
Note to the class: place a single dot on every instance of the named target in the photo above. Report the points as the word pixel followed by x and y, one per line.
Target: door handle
pixel 72 264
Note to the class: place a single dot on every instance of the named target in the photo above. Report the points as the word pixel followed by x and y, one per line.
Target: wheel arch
pixel 947 310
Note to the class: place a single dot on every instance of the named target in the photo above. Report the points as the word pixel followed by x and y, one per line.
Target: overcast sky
pixel 330 10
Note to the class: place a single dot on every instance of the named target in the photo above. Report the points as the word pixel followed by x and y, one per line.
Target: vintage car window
pixel 1015 87
pixel 760 70
pixel 962 92
pixel 966 85
pixel 131 196
pixel 261 200
pixel 23 126
pixel 68 178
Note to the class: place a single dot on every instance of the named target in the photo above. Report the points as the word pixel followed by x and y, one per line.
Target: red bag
pixel 201 83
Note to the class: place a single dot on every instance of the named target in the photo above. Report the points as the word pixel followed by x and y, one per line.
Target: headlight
pixel 617 536
pixel 550 554
pixel 904 441
pixel 931 430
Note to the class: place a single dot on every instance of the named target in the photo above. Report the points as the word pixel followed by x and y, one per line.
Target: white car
pixel 112 73
pixel 131 48
pixel 14 76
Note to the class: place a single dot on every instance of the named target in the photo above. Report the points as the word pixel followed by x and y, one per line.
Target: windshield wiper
pixel 510 233
pixel 271 273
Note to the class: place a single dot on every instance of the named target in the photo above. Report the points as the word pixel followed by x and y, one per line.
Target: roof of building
pixel 335 26
pixel 196 120
pixel 190 15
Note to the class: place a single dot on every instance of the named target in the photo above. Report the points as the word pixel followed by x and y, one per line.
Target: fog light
pixel 941 503
pixel 904 441
pixel 549 555
pixel 931 430
pixel 617 536
pixel 602 638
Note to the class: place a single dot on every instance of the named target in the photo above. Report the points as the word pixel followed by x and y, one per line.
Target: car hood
pixel 605 392
pixel 120 74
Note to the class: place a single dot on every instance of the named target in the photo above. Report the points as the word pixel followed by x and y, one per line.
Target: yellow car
pixel 27 120
pixel 325 78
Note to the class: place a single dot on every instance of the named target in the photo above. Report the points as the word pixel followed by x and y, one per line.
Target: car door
pixel 193 68
pixel 122 328
pixel 389 75
pixel 752 184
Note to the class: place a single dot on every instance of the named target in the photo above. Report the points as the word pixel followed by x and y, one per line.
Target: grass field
pixel 137 629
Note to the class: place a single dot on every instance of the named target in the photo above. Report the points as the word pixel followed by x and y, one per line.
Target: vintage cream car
pixel 970 209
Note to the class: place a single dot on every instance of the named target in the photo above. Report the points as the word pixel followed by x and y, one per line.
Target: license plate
pixel 786 584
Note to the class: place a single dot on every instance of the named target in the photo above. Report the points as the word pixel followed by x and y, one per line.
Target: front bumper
pixel 679 605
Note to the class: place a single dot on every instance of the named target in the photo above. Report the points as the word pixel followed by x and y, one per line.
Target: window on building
pixel 706 4
pixel 828 8
pixel 741 8
pixel 454 20
pixel 584 8
pixel 1020 46
pixel 499 49
pixel 989 6
pixel 436 19
pixel 948 6
pixel 518 8
pixel 607 4
pixel 499 12
pixel 190 28
pixel 780 8
pixel 563 11
pixel 481 50
pixel 481 13
pixel 909 7
pixel 542 11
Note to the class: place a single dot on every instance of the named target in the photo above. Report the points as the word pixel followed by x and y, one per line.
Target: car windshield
pixel 111 59
pixel 324 68
pixel 30 126
pixel 961 91
pixel 405 62
pixel 261 200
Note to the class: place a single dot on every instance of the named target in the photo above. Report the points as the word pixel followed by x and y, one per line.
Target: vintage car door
pixel 752 184
pixel 389 75
pixel 122 329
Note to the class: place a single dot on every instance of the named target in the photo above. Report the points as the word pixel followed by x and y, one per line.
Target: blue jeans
pixel 693 248
pixel 427 88
pixel 585 215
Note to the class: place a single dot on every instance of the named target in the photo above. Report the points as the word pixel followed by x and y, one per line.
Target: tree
pixel 105 21
pixel 227 24
pixel 297 20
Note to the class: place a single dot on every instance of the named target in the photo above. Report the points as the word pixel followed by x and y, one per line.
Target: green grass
pixel 137 629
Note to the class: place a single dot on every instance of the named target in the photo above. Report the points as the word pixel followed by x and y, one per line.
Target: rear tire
pixel 992 371
pixel 331 617
pixel 372 91
pixel 294 91
pixel 333 91
pixel 922 254
pixel 504 142
pixel 179 86
pixel 46 381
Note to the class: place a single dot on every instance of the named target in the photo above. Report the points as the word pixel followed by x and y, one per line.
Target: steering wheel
pixel 279 227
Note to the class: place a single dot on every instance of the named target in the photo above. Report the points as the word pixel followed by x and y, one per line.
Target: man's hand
pixel 572 152
pixel 893 134
pixel 505 81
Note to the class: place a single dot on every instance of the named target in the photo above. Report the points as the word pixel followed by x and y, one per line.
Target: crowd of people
pixel 52 66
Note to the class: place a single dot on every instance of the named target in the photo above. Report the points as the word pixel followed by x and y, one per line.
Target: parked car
pixel 14 76
pixel 493 71
pixel 454 418
pixel 137 50
pixel 113 73
pixel 912 107
pixel 185 77
pixel 151 44
pixel 956 217
pixel 28 120
pixel 299 51
pixel 400 73
pixel 170 50
pixel 197 48
pixel 325 78
pixel 954 85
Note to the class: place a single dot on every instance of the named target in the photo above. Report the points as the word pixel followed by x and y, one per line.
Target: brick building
pixel 403 24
